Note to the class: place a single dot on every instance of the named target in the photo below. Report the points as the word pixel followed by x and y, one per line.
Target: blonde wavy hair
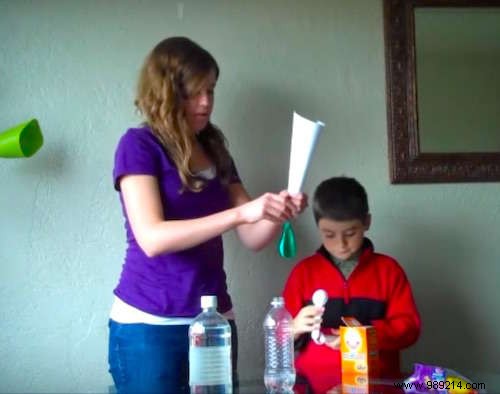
pixel 174 70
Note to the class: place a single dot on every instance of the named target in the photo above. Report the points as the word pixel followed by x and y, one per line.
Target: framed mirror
pixel 443 90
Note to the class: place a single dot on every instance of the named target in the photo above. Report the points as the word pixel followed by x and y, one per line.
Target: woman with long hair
pixel 180 191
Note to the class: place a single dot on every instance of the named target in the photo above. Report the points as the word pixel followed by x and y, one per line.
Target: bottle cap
pixel 277 301
pixel 208 301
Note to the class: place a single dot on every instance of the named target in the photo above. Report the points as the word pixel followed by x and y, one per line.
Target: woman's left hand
pixel 300 203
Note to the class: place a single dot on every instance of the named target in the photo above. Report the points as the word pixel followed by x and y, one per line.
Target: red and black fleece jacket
pixel 376 293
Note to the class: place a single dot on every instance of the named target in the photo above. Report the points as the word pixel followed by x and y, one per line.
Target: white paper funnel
pixel 305 133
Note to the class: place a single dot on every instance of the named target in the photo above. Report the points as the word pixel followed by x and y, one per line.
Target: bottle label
pixel 210 365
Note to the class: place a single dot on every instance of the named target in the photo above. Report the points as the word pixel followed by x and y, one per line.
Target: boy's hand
pixel 333 340
pixel 308 318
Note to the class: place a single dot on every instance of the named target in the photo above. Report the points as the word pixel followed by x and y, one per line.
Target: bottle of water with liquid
pixel 279 374
pixel 210 370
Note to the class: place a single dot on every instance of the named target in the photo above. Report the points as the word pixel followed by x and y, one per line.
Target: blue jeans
pixel 146 358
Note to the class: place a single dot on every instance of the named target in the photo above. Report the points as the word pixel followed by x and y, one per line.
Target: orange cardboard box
pixel 355 384
pixel 358 351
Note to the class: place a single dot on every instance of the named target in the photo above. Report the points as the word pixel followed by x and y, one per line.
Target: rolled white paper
pixel 305 133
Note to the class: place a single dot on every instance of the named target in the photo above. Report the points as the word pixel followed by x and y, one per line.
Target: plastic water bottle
pixel 210 369
pixel 279 374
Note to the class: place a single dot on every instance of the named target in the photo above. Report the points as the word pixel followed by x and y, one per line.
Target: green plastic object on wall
pixel 287 245
pixel 22 140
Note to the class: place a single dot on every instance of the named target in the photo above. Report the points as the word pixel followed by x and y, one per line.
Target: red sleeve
pixel 401 326
pixel 293 292
pixel 293 295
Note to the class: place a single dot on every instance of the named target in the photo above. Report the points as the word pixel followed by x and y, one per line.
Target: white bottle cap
pixel 208 301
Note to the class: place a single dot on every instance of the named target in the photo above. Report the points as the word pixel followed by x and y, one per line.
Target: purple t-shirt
pixel 170 284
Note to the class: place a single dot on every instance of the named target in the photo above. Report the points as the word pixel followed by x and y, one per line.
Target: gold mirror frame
pixel 407 164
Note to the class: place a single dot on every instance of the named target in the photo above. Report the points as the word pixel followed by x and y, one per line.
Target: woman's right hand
pixel 308 319
pixel 276 208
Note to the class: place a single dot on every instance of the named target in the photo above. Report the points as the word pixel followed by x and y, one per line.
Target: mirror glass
pixel 442 62
pixel 458 79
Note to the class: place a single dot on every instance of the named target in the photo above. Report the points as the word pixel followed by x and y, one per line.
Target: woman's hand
pixel 276 208
pixel 300 203
pixel 308 319
pixel 253 231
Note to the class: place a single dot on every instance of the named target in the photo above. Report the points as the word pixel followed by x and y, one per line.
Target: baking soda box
pixel 358 349
pixel 355 384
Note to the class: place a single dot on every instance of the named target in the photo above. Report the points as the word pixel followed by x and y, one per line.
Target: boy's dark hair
pixel 340 198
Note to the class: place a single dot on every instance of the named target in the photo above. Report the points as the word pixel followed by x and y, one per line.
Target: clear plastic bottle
pixel 279 374
pixel 210 370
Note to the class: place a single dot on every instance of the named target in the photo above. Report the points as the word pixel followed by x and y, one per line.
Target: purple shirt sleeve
pixel 137 153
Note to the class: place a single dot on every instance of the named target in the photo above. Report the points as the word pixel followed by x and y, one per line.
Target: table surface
pixel 490 382
pixel 256 386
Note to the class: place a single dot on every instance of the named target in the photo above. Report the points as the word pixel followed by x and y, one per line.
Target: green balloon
pixel 287 246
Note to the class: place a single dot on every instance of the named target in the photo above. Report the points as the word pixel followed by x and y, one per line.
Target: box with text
pixel 358 351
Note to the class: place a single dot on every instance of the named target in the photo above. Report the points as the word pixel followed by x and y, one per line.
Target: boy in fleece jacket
pixel 369 286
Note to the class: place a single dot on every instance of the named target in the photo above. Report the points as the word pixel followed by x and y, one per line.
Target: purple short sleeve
pixel 137 153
